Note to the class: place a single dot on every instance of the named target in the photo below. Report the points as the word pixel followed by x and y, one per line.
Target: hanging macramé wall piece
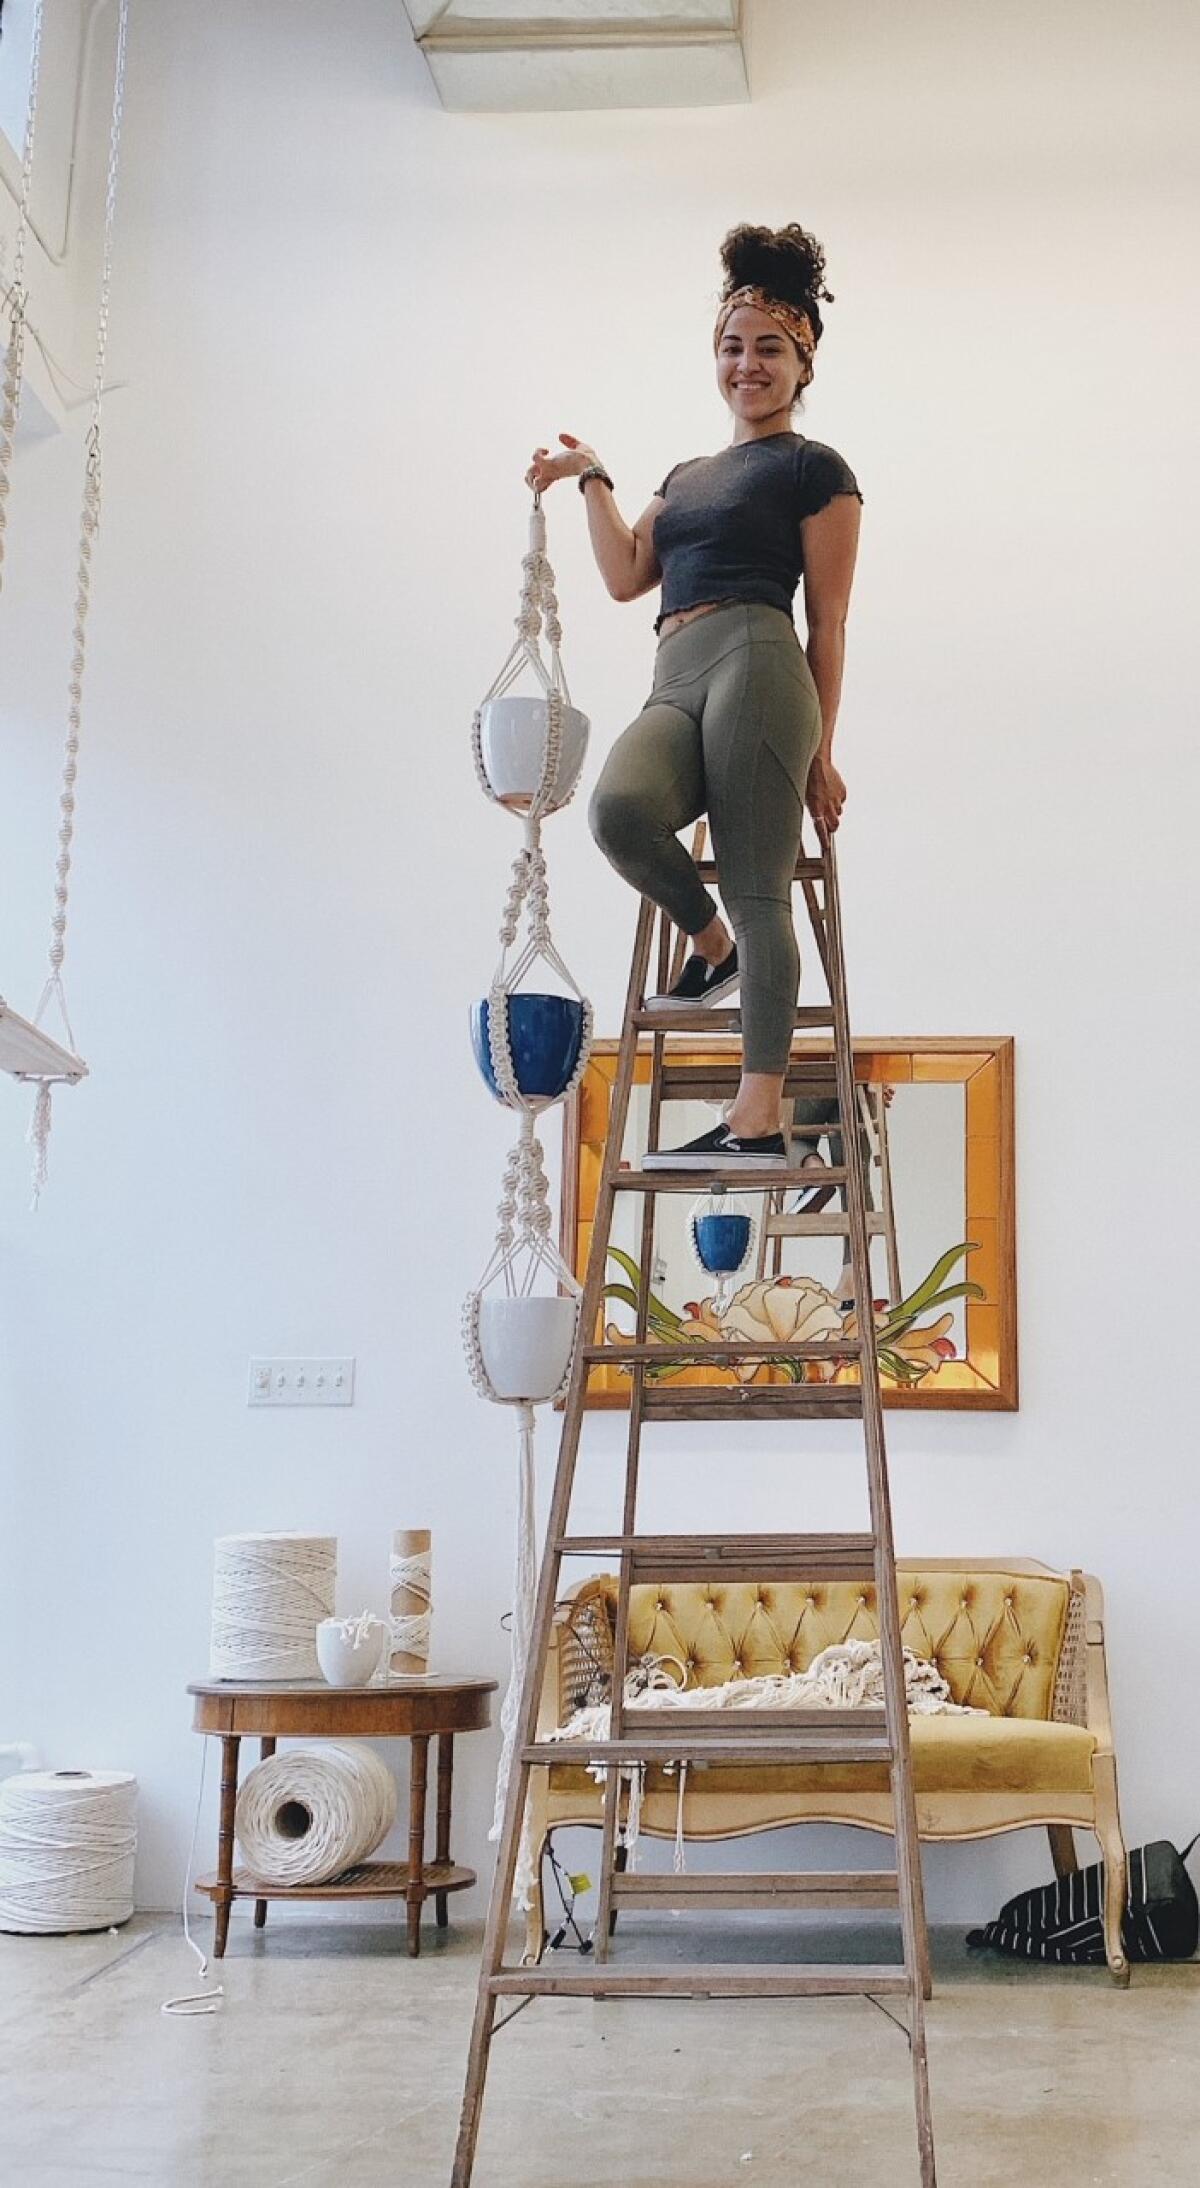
pixel 26 1049
pixel 532 1047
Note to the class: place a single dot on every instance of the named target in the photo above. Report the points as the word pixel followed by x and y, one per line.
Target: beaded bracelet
pixel 594 471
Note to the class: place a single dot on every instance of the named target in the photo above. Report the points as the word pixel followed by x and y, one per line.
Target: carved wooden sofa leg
pixel 1116 1867
pixel 539 1839
pixel 1062 1849
pixel 535 1919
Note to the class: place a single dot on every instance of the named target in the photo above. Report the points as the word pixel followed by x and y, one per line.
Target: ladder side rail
pixel 908 1857
pixel 499 1905
pixel 613 1780
pixel 699 838
pixel 886 1195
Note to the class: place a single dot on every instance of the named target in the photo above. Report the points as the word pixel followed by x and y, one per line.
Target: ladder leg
pixel 500 1903
pixel 908 1854
pixel 612 1782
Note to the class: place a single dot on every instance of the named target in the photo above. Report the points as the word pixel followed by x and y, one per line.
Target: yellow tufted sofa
pixel 1011 1637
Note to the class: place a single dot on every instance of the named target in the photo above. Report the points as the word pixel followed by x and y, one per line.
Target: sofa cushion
pixel 996 1637
pixel 950 1755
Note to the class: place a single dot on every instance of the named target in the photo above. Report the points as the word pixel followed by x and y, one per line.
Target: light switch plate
pixel 301 1382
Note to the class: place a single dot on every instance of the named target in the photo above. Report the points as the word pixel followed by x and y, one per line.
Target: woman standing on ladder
pixel 739 722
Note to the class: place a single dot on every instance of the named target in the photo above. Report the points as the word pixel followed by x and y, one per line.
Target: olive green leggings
pixel 729 729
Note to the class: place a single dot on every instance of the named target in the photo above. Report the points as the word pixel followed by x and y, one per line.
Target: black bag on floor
pixel 1064 1921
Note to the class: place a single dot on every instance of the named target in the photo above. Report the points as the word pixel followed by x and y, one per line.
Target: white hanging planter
pixel 526 1344
pixel 512 751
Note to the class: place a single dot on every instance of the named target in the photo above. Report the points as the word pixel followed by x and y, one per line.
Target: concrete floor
pixel 337 2063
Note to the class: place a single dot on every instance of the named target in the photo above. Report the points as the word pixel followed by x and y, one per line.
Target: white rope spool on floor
pixel 67 1845
pixel 307 1814
pixel 270 1593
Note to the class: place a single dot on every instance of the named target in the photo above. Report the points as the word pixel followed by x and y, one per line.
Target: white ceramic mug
pixel 349 1649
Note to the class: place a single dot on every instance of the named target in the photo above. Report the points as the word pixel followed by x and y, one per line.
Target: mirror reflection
pixel 934 1123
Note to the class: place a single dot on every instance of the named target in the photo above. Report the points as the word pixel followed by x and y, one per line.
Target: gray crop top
pixel 730 529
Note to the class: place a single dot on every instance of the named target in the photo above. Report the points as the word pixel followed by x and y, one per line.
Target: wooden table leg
pixel 416 1840
pixel 445 1780
pixel 230 1743
pixel 266 1746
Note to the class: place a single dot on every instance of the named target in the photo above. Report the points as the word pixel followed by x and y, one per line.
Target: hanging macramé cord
pixel 519 1341
pixel 44 1079
pixel 529 888
pixel 18 299
pixel 538 601
pixel 523 1248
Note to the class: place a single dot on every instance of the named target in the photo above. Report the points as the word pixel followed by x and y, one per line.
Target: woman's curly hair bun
pixel 787 262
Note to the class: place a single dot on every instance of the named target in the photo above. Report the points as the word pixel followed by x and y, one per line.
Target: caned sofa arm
pixel 1098 1715
pixel 549 1715
pixel 579 1658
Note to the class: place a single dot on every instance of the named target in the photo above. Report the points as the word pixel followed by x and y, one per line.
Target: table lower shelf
pixel 370 1880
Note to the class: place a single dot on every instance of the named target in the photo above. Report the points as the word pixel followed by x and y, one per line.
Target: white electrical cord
pixel 190 2003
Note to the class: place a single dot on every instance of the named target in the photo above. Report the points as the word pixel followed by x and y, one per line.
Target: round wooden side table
pixel 417 1710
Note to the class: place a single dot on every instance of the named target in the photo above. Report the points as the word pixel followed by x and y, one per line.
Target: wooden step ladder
pixel 768 1737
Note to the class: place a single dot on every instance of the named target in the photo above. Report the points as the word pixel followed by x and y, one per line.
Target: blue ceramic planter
pixel 722 1242
pixel 545 1036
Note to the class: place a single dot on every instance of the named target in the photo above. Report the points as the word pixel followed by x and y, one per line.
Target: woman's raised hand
pixel 545 468
pixel 825 795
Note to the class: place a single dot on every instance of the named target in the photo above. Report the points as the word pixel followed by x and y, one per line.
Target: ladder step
pixel 789 1738
pixel 752 1402
pixel 734 1557
pixel 728 1893
pixel 702 1181
pixel 822 1226
pixel 678 1019
pixel 715 1080
pixel 818 1225
pixel 807 869
pixel 732 1981
pixel 719 1355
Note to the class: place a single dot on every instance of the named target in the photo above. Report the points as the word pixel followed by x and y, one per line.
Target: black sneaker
pixel 699 984
pixel 718 1149
pixel 812 1197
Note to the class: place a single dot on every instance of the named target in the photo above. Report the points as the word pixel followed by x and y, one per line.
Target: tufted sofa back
pixel 1004 1640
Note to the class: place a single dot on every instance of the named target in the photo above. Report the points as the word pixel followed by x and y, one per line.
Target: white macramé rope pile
pixel 306 1815
pixel 848 1675
pixel 67 1846
pixel 411 1629
pixel 270 1593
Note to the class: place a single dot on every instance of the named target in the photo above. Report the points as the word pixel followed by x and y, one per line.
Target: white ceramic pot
pixel 344 1660
pixel 513 741
pixel 527 1344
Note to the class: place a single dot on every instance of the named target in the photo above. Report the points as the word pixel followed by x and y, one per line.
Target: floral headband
pixel 793 321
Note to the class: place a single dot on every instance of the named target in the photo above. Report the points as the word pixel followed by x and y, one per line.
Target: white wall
pixel 344 319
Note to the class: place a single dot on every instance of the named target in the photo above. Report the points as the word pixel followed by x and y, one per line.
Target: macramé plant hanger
pixel 27 1051
pixel 532 1047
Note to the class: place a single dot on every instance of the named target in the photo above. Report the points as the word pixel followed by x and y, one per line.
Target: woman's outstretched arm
pixel 830 542
pixel 624 555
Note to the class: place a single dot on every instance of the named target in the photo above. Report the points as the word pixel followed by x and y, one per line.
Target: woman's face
pixel 758 366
